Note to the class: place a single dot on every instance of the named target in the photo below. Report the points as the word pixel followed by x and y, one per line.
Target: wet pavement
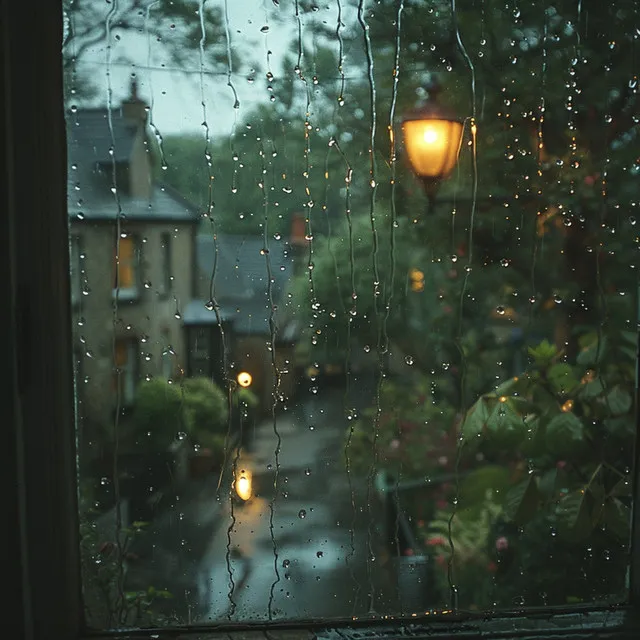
pixel 304 545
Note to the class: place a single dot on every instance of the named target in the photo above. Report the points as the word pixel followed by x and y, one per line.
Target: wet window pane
pixel 354 294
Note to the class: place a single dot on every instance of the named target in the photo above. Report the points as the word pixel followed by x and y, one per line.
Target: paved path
pixel 298 551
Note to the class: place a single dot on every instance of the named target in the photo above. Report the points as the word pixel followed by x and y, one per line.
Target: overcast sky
pixel 176 96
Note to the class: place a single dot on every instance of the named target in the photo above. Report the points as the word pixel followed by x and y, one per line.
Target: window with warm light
pixel 126 267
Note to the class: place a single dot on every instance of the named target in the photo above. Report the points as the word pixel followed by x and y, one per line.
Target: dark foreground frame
pixel 41 567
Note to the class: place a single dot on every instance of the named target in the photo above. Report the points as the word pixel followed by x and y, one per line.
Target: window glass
pixel 358 323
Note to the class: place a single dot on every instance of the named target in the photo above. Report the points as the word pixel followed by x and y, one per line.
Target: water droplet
pixel 181 435
pixel 454 258
pixel 307 472
pixel 505 262
pixel 265 29
pixel 319 554
pixel 302 514
pixel 104 481
pixel 367 348
pixel 409 360
pixel 286 564
pixel 500 310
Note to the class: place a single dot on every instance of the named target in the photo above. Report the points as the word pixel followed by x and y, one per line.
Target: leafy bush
pixel 467 532
pixel 158 414
pixel 566 432
pixel 414 435
pixel 164 411
pixel 206 413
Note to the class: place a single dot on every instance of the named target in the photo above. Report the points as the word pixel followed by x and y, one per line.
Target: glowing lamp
pixel 244 379
pixel 432 139
pixel 243 485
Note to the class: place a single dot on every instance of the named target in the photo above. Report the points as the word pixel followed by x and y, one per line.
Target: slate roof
pixel 241 279
pixel 89 140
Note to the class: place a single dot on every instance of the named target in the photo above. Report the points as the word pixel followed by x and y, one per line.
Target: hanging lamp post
pixel 432 138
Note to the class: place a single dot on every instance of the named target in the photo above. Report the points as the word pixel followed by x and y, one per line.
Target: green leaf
pixel 474 487
pixel 592 389
pixel 617 518
pixel 547 483
pixel 565 431
pixel 574 519
pixel 544 353
pixel 476 418
pixel 561 378
pixel 592 354
pixel 618 401
pixel 622 488
pixel 521 502
pixel 505 420
pixel 621 426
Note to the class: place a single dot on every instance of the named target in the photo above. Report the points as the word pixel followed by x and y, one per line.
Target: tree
pixel 174 26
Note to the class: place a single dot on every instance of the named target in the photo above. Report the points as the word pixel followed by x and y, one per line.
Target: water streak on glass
pixel 339 26
pixel 393 159
pixel 472 121
pixel 120 602
pixel 156 131
pixel 373 176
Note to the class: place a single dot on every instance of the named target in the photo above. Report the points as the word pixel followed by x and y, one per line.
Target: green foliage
pixel 413 436
pixel 460 543
pixel 158 413
pixel 106 556
pixel 163 411
pixel 572 459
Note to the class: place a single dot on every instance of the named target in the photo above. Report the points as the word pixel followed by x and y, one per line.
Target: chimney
pixel 134 112
pixel 133 108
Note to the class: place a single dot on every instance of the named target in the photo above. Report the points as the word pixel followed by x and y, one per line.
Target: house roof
pixel 90 139
pixel 241 282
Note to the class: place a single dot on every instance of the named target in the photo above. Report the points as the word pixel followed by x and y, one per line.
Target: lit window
pixel 126 261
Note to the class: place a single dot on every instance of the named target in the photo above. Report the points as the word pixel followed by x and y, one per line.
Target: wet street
pixel 301 547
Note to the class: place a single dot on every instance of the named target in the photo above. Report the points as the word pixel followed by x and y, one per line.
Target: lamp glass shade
pixel 432 146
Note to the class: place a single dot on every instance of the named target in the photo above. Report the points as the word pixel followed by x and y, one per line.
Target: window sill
pixel 126 295
pixel 612 623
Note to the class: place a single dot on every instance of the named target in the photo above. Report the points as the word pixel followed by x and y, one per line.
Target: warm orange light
pixel 432 146
pixel 243 485
pixel 244 379
pixel 567 406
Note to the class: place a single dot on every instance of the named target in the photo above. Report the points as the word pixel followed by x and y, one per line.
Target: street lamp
pixel 432 138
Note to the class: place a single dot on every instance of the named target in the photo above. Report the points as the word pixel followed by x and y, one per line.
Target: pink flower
pixel 561 464
pixel 492 566
pixel 502 543
pixel 590 180
pixel 408 552
pixel 435 541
